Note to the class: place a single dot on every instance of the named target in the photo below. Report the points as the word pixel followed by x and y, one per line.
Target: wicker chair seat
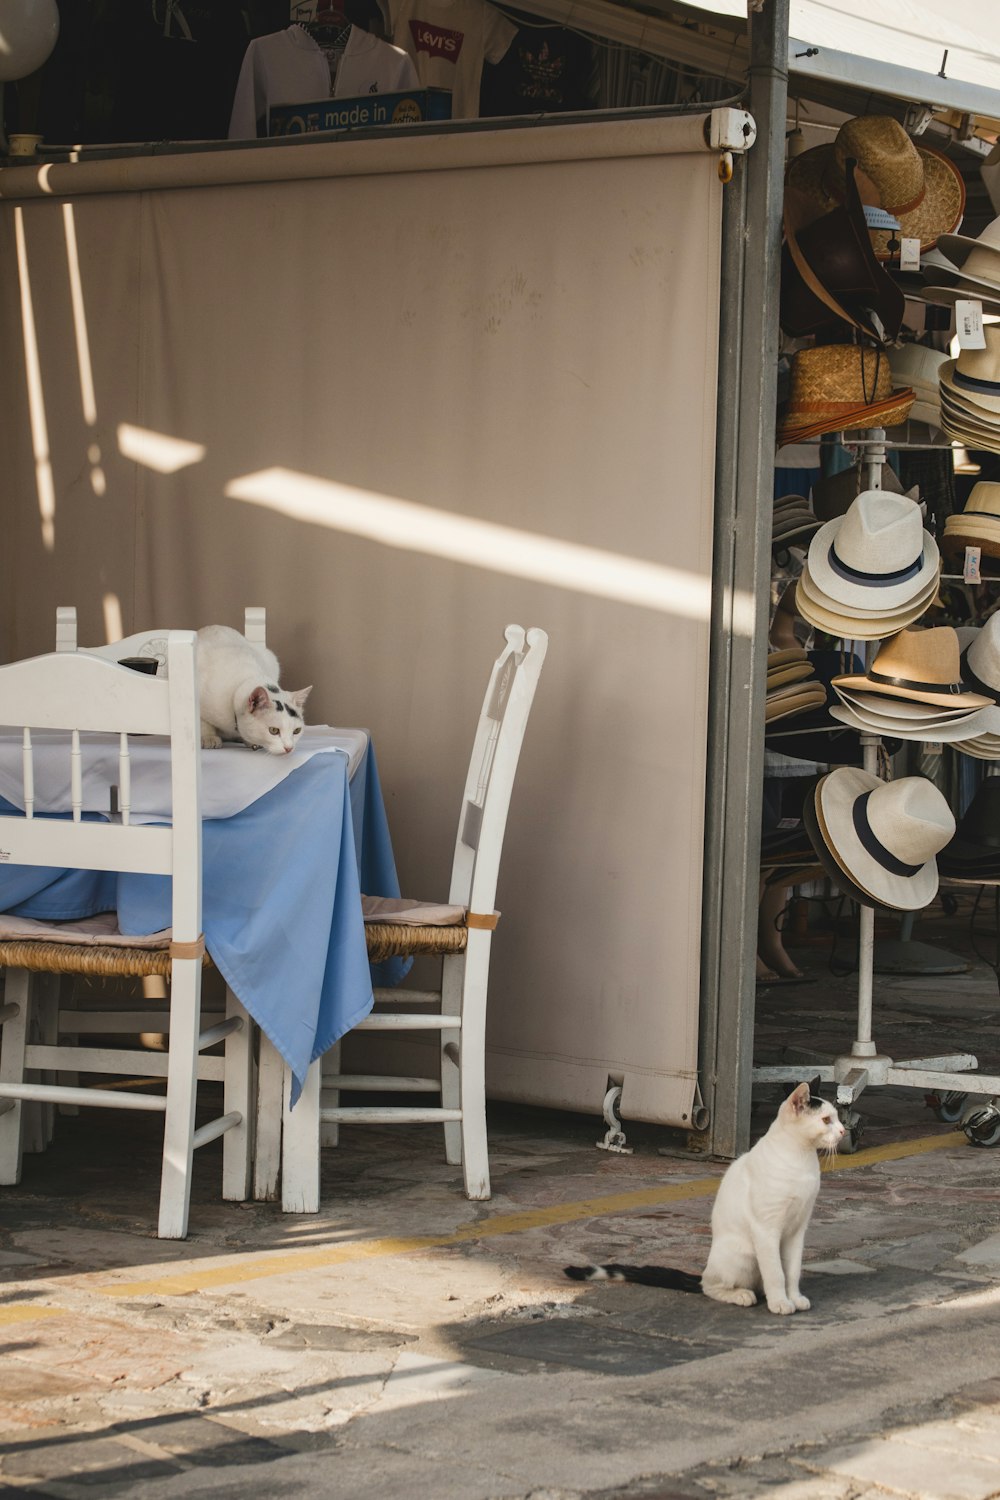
pixel 406 940
pixel 106 962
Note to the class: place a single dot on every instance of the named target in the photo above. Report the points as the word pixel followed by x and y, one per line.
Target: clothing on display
pixel 449 40
pixel 546 69
pixel 290 67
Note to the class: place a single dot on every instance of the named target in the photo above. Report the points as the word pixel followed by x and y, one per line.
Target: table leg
pixel 267 1147
pixel 300 1145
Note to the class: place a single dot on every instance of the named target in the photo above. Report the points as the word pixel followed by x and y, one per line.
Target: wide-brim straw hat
pixel 962 728
pixel 830 270
pixel 903 709
pixel 983 747
pixel 820 841
pixel 786 654
pixel 836 386
pixel 978 259
pixel 923 666
pixel 922 189
pixel 981 657
pixel 817 596
pixel 854 627
pixel 794 671
pixel 876 556
pixel 978 525
pixel 975 375
pixel 886 834
pixel 969 438
pixel 946 292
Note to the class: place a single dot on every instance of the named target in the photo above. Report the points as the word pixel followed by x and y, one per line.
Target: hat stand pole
pixel 864 1066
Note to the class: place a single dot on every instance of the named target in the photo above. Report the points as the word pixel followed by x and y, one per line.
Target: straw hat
pixel 981 658
pixel 876 556
pixel 903 710
pixel 831 267
pixel 816 595
pixel 983 747
pixel 834 386
pixel 785 655
pixel 977 259
pixel 797 701
pixel 978 525
pixel 794 671
pixel 975 374
pixel 923 666
pixel 856 628
pixel 918 367
pixel 973 436
pixel 919 187
pixel 885 834
pixel 952 732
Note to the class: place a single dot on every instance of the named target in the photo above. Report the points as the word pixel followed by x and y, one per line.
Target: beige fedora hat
pixel 836 606
pixel 978 524
pixel 794 671
pixel 806 698
pixel 856 628
pixel 982 747
pixel 785 655
pixel 901 708
pixel 989 442
pixel 981 657
pixel 977 259
pixel 975 374
pixel 886 834
pixel 835 386
pixel 921 189
pixel 819 837
pixel 921 665
pixel 877 555
pixel 964 727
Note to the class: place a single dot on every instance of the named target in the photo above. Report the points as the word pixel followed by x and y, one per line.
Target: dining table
pixel 288 845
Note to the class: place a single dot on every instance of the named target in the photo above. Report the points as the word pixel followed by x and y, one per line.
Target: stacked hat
pixel 918 367
pixel 913 690
pixel 829 270
pixel 978 525
pixel 792 687
pixel 792 520
pixel 838 386
pixel 870 572
pixel 970 394
pixel 878 839
pixel 974 852
pixel 970 269
pixel 909 189
pixel 981 670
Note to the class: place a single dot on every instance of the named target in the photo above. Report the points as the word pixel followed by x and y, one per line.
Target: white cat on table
pixel 240 695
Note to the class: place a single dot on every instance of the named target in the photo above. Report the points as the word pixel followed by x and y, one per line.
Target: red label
pixel 437 41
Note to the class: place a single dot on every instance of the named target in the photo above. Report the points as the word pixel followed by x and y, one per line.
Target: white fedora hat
pixel 977 525
pixel 923 666
pixel 855 627
pixel 987 441
pixel 977 259
pixel 917 366
pixel 983 747
pixel 877 555
pixel 886 834
pixel 981 659
pixel 901 708
pixel 833 606
pixel 964 727
pixel 975 374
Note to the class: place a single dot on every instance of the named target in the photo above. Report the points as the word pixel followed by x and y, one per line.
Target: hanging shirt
pixel 448 41
pixel 289 67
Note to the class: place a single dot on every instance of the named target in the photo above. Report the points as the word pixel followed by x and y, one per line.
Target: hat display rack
pixel 879 840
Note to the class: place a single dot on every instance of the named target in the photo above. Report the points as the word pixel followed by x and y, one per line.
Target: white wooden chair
pixel 76 692
pixel 456 1011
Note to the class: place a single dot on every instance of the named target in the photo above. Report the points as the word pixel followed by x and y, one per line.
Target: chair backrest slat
pixel 490 780
pixel 75 777
pixel 28 773
pixel 124 779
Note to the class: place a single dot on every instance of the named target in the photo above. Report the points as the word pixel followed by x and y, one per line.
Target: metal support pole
pixel 741 583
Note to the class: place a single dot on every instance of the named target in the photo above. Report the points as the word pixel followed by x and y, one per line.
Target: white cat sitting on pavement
pixel 760 1215
pixel 240 696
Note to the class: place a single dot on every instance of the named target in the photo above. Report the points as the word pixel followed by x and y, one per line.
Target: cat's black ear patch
pixel 812 1084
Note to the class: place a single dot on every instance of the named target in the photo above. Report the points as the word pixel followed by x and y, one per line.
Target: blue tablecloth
pixel 281 908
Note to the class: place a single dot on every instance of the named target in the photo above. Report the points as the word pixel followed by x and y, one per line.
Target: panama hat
pixel 795 671
pixel 987 440
pixel 920 188
pixel 835 386
pixel 830 271
pixel 983 747
pixel 821 844
pixel 955 730
pixel 804 698
pixel 981 659
pixel 978 525
pixel 923 666
pixel 877 555
pixel 975 374
pixel 978 260
pixel 904 709
pixel 918 367
pixel 885 834
pixel 785 655
pixel 814 593
pixel 857 628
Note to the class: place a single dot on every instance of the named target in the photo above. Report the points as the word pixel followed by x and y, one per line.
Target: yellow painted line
pixel 24 1312
pixel 256 1267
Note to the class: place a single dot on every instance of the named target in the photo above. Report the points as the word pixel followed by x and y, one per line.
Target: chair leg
pixel 267 1133
pixel 67 1004
pixel 13 1039
pixel 45 1027
pixel 475 1154
pixel 329 1098
pixel 178 1125
pixel 300 1145
pixel 238 1096
pixel 452 975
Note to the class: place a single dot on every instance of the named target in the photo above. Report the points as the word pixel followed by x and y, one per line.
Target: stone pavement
pixel 406 1342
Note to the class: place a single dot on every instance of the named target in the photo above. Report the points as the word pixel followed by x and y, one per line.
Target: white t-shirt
pixel 448 41
pixel 289 67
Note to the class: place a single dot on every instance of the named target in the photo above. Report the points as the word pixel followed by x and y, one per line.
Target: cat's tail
pixel 668 1276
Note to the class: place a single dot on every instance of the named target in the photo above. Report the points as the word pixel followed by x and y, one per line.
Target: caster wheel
pixel 948 1106
pixel 854 1129
pixel 982 1125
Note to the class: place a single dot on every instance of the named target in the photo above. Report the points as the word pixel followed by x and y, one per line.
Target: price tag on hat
pixel 969 325
pixel 909 254
pixel 970 572
pixel 931 747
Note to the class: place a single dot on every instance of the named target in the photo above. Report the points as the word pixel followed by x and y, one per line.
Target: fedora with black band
pixel 922 666
pixel 850 626
pixel 981 658
pixel 885 834
pixel 978 525
pixel 975 374
pixel 831 271
pixel 821 844
pixel 877 555
pixel 923 191
pixel 977 260
pixel 836 386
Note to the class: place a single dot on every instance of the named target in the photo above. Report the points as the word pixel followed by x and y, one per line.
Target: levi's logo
pixel 437 41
